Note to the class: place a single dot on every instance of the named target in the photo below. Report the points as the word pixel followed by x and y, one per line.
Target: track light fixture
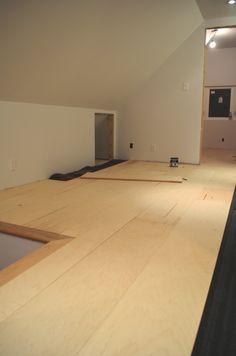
pixel 212 43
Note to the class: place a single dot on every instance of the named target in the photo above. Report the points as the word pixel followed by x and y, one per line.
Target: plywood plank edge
pixel 133 179
pixel 30 233
pixel 15 269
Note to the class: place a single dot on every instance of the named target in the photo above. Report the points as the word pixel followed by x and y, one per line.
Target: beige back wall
pixel 220 67
pixel 216 130
pixel 162 119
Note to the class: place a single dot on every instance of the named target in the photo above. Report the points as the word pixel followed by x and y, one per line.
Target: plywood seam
pixel 125 292
pixel 66 271
pixel 80 260
pixel 46 215
pixel 131 179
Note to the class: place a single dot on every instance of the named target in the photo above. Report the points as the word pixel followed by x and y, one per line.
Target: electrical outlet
pixel 185 86
pixel 131 145
pixel 13 164
pixel 153 147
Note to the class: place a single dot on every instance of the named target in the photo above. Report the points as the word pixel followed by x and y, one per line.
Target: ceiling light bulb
pixel 231 2
pixel 212 44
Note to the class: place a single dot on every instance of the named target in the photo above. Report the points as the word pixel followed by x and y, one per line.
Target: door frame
pixel 204 86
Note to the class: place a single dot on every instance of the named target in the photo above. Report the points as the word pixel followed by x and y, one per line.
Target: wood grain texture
pixel 94 214
pixel 134 278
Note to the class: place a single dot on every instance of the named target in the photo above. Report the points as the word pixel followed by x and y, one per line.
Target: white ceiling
pixel 216 8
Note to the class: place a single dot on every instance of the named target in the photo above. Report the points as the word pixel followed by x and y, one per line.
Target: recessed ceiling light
pixel 231 2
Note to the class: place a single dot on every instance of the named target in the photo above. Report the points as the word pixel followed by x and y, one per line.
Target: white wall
pixel 162 116
pixel 220 71
pixel 220 67
pixel 43 140
pixel 214 131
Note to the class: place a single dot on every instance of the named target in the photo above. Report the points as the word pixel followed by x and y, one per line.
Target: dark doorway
pixel 104 136
pixel 219 102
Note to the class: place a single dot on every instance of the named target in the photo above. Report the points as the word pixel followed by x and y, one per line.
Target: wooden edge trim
pixel 20 266
pixel 30 232
pixel 134 179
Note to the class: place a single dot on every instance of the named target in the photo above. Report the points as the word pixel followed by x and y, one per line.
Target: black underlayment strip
pixel 84 170
pixel 217 331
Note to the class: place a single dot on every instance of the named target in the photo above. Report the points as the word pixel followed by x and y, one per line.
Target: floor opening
pixel 12 248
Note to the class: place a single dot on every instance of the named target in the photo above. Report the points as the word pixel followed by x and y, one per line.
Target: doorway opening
pixel 219 104
pixel 104 137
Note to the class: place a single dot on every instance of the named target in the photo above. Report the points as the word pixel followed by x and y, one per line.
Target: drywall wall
pixel 164 118
pixel 101 136
pixel 220 67
pixel 38 140
pixel 87 53
pixel 220 71
pixel 220 134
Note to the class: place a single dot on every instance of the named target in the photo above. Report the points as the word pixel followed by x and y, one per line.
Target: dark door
pixel 219 102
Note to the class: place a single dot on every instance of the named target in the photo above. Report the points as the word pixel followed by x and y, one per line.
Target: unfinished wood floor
pixel 135 276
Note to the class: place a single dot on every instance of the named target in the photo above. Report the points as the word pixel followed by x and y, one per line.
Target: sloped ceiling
pixel 88 53
pixel 216 8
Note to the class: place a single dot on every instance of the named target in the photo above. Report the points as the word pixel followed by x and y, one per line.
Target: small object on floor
pixel 185 179
pixel 174 161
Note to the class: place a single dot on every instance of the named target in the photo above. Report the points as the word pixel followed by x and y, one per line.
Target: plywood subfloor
pixel 134 278
pixel 139 171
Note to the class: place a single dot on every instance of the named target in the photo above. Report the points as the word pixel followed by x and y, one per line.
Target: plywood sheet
pixel 114 205
pixel 160 311
pixel 134 278
pixel 138 171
